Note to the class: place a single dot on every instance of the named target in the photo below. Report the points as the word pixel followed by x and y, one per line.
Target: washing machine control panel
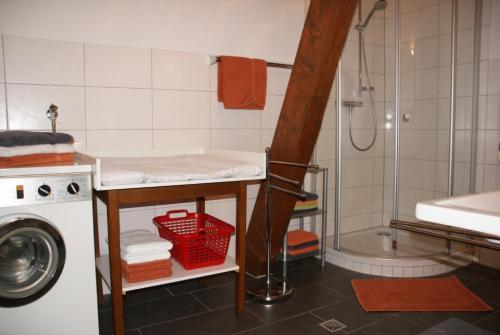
pixel 27 190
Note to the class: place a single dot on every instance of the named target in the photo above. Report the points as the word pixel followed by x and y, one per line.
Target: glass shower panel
pixel 363 96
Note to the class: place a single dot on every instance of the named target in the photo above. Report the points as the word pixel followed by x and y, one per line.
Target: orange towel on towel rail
pixel 242 82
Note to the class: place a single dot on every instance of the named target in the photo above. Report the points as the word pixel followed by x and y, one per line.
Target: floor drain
pixel 332 325
pixel 383 233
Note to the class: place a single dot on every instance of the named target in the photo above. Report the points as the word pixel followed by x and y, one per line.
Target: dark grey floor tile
pixel 303 299
pixel 201 283
pixel 429 319
pixel 488 289
pixel 218 322
pixel 456 327
pixel 304 324
pixel 139 315
pixel 350 314
pixel 393 325
pixel 343 283
pixel 475 271
pixel 138 296
pixel 217 297
pixel 491 323
pixel 314 274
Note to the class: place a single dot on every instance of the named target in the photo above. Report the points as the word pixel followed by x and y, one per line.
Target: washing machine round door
pixel 32 256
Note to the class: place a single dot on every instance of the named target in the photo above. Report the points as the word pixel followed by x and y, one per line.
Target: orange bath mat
pixel 417 295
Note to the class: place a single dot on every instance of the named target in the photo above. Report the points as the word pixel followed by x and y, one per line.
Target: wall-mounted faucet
pixel 52 114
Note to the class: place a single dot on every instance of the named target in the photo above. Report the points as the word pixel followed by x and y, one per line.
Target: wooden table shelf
pixel 109 266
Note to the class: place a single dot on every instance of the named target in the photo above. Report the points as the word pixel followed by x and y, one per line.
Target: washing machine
pixel 47 264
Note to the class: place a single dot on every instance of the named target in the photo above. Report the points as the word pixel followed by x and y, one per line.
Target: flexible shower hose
pixel 372 102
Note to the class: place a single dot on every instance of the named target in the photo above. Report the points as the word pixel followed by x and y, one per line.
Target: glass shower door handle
pixel 405 117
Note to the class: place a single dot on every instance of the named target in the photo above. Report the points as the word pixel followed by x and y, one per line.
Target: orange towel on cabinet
pixel 242 82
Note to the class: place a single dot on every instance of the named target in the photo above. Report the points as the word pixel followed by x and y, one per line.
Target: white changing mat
pixel 127 171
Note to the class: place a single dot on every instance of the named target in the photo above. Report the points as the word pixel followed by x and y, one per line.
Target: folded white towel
pixel 36 149
pixel 141 242
pixel 136 259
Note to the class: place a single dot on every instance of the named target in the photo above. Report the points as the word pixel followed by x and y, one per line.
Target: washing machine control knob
pixel 44 190
pixel 73 188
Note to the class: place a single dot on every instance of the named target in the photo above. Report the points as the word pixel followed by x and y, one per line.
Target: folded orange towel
pixel 303 250
pixel 242 82
pixel 37 159
pixel 150 275
pixel 296 237
pixel 147 266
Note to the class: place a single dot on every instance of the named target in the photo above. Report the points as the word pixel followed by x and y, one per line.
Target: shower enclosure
pixel 405 132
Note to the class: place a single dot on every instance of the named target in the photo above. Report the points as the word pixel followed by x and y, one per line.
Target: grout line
pixel 152 99
pixel 7 126
pixel 199 300
pixel 256 315
pixel 85 97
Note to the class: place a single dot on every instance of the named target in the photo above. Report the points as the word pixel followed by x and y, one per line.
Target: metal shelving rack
pixel 323 211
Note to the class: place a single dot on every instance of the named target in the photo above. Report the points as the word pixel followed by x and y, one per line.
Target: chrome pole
pixel 478 21
pixel 338 160
pixel 451 158
pixel 397 103
pixel 324 218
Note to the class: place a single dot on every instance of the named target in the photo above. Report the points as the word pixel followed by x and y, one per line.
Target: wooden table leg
pixel 200 205
pixel 97 252
pixel 115 261
pixel 241 212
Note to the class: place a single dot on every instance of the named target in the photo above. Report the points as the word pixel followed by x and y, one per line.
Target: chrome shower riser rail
pixel 444 232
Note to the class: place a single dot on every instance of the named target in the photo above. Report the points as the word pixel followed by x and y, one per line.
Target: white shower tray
pixel 477 212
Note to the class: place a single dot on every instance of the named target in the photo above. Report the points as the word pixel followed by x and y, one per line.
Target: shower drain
pixel 332 325
pixel 383 233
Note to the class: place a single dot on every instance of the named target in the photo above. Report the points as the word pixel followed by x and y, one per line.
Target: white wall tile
pixel 423 114
pixel 116 66
pixel 444 50
pixel 277 80
pixel 28 105
pixel 466 14
pixel 493 112
pixel 418 174
pixel 464 80
pixel 119 139
pixel 426 84
pixel 426 53
pixel 35 61
pixel 494 76
pixel 2 73
pixel 173 109
pixel 418 144
pixel 266 138
pixel 357 172
pixel 3 108
pixel 182 70
pixel 236 139
pixel 181 138
pixel 272 110
pixel 325 145
pixel 491 146
pixel 118 108
pixel 465 43
pixel 233 118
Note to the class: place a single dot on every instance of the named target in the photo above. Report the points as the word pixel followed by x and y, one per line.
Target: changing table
pixel 119 196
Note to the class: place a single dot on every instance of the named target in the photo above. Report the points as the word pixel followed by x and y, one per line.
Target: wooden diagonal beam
pixel 323 37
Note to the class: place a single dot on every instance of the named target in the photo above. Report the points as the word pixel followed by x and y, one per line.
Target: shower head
pixel 379 5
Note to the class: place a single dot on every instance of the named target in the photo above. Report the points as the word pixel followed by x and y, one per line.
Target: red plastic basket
pixel 199 239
